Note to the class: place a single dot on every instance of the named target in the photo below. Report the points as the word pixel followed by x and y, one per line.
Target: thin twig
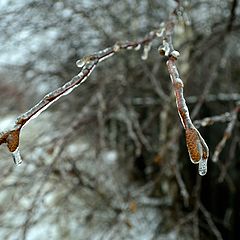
pixel 227 134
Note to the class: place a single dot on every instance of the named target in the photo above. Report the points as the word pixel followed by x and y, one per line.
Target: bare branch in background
pixel 227 134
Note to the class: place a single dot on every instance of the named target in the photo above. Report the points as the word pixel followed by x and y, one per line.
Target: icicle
pixel 178 83
pixel 137 47
pixel 202 167
pixel 160 33
pixel 105 51
pixel 102 58
pixel 17 157
pixel 104 54
pixel 146 50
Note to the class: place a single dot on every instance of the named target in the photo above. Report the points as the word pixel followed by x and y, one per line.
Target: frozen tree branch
pixel 87 65
pixel 197 148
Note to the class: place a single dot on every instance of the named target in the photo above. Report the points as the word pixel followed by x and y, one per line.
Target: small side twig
pixel 227 134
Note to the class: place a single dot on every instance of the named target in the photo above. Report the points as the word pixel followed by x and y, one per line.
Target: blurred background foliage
pixel 109 161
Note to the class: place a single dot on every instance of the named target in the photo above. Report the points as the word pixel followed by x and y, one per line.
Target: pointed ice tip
pixel 202 172
pixel 144 57
pixel 202 167
pixel 17 157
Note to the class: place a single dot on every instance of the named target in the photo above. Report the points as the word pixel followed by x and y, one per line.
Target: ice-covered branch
pixel 197 148
pixel 87 65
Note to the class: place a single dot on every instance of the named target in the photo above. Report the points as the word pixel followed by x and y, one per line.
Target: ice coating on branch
pixel 105 51
pixel 104 54
pixel 52 97
pixel 102 58
pixel 35 111
pixel 17 157
pixel 196 145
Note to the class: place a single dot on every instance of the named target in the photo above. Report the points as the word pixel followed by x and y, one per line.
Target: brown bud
pixel 13 140
pixel 193 145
